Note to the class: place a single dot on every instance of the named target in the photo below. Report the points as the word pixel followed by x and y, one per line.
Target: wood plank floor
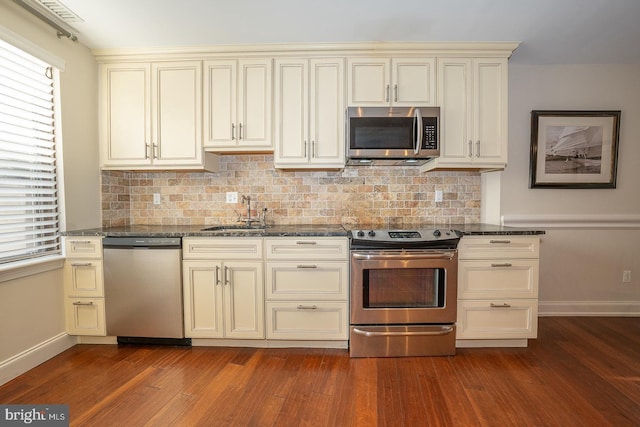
pixel 579 372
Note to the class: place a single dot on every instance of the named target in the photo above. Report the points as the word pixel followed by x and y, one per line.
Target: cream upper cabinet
pixel 391 81
pixel 238 104
pixel 309 113
pixel 151 115
pixel 472 95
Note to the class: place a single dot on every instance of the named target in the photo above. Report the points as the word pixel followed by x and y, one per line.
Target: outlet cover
pixel 232 197
pixel 626 276
pixel 156 198
pixel 438 195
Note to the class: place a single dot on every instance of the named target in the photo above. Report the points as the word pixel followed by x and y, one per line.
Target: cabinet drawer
pixel 234 248
pixel 83 278
pixel 497 319
pixel 316 248
pixel 83 247
pixel 307 321
pixel 309 280
pixel 85 316
pixel 472 247
pixel 498 279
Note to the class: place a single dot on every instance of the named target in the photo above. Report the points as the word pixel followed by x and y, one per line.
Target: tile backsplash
pixel 383 196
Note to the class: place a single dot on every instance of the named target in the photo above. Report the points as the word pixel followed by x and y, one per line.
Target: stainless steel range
pixel 403 292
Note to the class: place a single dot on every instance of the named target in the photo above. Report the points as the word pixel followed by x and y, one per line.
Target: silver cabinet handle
pixel 305 148
pixel 306 266
pixel 506 264
pixel 233 131
pixel 227 276
pixel 82 303
pixel 387 99
pixel 81 264
pixel 156 151
pixel 506 242
pixel 299 242
pixel 478 148
pixel 313 149
pixel 395 93
pixel 147 150
pixel 217 276
pixel 307 307
pixel 470 148
pixel 504 305
pixel 240 132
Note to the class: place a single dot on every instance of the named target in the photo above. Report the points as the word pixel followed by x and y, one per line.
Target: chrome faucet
pixel 248 220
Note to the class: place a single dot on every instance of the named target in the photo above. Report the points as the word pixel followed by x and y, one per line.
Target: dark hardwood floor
pixel 579 372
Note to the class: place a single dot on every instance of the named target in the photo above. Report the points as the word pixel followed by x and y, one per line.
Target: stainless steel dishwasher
pixel 143 289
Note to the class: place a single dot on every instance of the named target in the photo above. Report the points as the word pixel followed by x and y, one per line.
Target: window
pixel 29 212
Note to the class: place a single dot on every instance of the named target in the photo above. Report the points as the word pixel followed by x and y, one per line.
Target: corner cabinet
pixel 407 82
pixel 223 288
pixel 307 288
pixel 309 113
pixel 237 108
pixel 84 286
pixel 497 290
pixel 472 95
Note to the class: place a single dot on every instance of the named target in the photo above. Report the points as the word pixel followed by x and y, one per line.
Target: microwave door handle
pixel 417 120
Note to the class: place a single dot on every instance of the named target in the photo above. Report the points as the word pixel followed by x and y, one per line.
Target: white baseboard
pixel 32 357
pixel 589 308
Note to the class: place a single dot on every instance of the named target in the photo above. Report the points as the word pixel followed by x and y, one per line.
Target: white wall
pixel 31 308
pixel 592 235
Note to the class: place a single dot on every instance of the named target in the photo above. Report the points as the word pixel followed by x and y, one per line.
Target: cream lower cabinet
pixel 223 288
pixel 84 286
pixel 497 290
pixel 307 285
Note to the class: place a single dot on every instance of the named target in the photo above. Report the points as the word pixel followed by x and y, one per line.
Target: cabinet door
pixel 176 106
pixel 220 104
pixel 508 278
pixel 497 319
pixel 202 297
pixel 454 98
pixel 309 320
pixel 327 113
pixel 413 82
pixel 254 104
pixel 291 112
pixel 368 82
pixel 85 316
pixel 243 299
pixel 490 110
pixel 301 281
pixel 125 114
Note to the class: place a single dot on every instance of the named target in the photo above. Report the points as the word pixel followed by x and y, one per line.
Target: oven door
pixel 403 287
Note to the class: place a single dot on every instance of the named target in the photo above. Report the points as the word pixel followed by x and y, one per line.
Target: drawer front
pixel 499 319
pixel 472 247
pixel 83 247
pixel 307 321
pixel 85 316
pixel 316 248
pixel 83 278
pixel 307 281
pixel 498 279
pixel 235 248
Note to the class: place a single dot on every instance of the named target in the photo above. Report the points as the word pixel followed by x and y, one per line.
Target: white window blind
pixel 29 214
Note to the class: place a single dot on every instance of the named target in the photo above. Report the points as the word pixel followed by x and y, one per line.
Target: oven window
pixel 404 288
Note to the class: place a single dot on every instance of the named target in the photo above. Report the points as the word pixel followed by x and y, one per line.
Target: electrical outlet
pixel 626 276
pixel 156 198
pixel 438 195
pixel 232 197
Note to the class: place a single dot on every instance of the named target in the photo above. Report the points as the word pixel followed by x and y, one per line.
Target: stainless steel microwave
pixel 392 135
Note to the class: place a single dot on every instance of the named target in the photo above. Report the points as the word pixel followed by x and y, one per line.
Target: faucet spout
pixel 248 220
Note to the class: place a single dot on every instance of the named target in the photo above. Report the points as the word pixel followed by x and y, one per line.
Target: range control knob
pixel 360 233
pixel 372 233
pixel 437 233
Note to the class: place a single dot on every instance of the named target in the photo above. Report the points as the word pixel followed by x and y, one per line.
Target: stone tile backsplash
pixel 382 196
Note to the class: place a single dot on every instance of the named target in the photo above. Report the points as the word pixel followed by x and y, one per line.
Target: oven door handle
pixel 403 255
pixel 443 330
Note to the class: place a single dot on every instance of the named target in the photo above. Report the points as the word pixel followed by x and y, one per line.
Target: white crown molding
pixel 448 49
pixel 617 221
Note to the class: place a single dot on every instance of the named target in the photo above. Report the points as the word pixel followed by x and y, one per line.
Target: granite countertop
pixel 311 230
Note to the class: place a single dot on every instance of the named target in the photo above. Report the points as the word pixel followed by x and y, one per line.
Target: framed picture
pixel 574 149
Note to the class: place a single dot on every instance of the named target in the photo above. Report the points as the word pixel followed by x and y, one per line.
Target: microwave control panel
pixel 430 136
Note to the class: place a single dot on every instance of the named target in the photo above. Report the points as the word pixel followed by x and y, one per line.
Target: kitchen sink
pixel 235 228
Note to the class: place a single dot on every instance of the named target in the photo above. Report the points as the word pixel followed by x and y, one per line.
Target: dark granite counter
pixel 494 230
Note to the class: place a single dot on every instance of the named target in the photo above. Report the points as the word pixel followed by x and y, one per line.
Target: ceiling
pixel 550 31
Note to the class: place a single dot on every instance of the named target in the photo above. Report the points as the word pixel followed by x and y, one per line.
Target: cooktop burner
pixel 404 238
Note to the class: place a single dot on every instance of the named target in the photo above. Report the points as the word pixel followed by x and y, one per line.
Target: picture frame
pixel 574 149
